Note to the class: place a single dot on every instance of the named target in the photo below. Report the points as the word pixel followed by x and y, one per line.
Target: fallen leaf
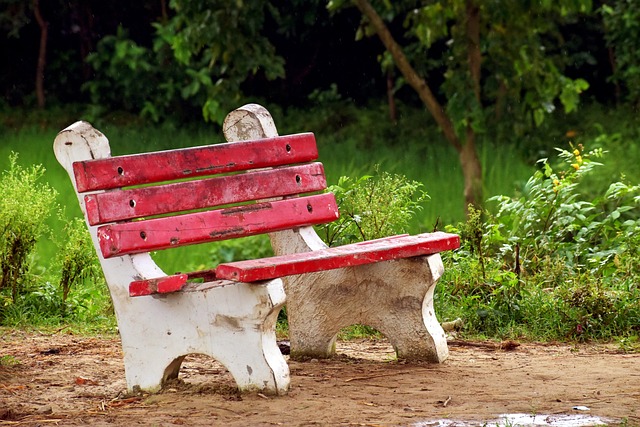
pixel 85 381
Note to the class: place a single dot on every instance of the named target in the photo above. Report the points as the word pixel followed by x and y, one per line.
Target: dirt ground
pixel 64 379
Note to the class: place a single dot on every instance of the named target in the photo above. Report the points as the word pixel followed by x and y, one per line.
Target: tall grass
pixel 351 141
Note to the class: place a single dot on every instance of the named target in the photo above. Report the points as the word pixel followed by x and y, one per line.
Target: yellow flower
pixel 576 152
pixel 575 166
pixel 556 182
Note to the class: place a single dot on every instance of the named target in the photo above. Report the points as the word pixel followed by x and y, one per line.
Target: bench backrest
pixel 152 201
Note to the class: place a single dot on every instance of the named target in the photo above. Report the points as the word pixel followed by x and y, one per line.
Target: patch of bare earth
pixel 63 379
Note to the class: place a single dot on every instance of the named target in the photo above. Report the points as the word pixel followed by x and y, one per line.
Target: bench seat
pixel 255 270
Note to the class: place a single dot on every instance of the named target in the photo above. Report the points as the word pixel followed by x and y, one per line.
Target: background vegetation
pixel 550 112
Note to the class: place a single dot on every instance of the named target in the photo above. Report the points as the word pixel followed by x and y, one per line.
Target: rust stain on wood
pixel 246 208
pixel 226 232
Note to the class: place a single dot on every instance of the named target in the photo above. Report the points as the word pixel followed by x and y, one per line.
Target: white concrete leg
pixel 233 324
pixel 395 297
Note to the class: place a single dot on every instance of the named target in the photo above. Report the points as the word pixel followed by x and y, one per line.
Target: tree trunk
pixel 471 166
pixel 469 160
pixel 614 70
pixel 472 172
pixel 393 112
pixel 42 54
pixel 474 53
pixel 163 9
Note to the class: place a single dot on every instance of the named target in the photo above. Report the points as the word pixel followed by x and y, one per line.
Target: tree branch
pixel 473 46
pixel 42 53
pixel 409 73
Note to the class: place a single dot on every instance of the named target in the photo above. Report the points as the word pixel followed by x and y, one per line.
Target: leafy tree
pixel 222 44
pixel 489 59
pixel 622 31
pixel 139 79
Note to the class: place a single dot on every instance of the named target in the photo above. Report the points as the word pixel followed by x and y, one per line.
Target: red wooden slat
pixel 160 285
pixel 123 171
pixel 338 257
pixel 196 287
pixel 120 205
pixel 168 284
pixel 200 227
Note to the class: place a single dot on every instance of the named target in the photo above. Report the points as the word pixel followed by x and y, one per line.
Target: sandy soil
pixel 64 379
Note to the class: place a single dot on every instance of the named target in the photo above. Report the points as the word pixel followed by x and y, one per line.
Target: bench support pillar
pixel 395 297
pixel 233 323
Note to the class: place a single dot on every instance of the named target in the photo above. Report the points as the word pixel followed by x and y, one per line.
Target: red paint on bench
pixel 111 206
pixel 173 283
pixel 136 169
pixel 385 249
pixel 154 201
pixel 247 220
pixel 160 285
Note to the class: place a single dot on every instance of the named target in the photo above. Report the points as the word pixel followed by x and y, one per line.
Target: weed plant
pixel 552 262
pixel 32 291
pixel 373 206
pixel 24 204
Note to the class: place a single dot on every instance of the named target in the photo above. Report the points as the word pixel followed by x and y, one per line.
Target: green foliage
pixel 138 79
pixel 199 59
pixel 358 332
pixel 222 44
pixel 7 360
pixel 552 219
pixel 74 292
pixel 77 261
pixel 621 32
pixel 522 50
pixel 70 288
pixel 25 203
pixel 372 207
pixel 551 262
pixel 233 250
pixel 14 15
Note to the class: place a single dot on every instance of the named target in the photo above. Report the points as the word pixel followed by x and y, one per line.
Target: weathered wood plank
pixel 160 285
pixel 167 232
pixel 137 169
pixel 118 205
pixel 338 257
pixel 174 283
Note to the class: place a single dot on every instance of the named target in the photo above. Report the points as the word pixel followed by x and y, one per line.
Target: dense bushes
pixel 553 262
pixel 34 290
pixel 24 204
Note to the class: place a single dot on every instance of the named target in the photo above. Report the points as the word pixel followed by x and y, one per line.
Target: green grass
pixel 351 142
pixel 343 153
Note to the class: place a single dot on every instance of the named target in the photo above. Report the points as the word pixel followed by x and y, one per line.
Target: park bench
pixel 257 183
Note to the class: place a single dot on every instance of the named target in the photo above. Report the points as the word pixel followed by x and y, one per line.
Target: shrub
pixel 77 263
pixel 553 219
pixel 372 207
pixel 24 206
pixel 553 262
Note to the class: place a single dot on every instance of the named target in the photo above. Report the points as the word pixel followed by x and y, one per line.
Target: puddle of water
pixel 523 420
